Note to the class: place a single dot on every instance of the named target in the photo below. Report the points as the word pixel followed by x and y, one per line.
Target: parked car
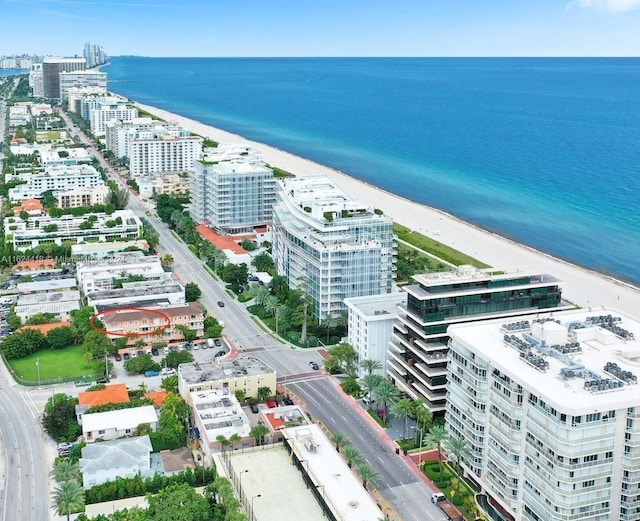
pixel 167 371
pixel 217 343
pixel 220 303
pixel 154 352
pixel 127 356
pixel 150 373
pixel 254 408
pixel 102 381
pixel 220 353
pixel 367 398
pixel 314 365
pixel 82 383
pixel 118 357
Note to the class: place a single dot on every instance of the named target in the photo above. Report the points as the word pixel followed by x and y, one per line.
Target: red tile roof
pixel 157 397
pixel 44 328
pixel 223 242
pixel 27 205
pixel 34 265
pixel 276 423
pixel 117 393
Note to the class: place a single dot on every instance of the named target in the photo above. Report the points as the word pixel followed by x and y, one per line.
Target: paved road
pixel 397 482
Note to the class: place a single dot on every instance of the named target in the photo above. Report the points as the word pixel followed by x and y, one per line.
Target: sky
pixel 261 28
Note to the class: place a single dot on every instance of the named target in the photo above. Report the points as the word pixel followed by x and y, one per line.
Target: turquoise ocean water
pixel 543 151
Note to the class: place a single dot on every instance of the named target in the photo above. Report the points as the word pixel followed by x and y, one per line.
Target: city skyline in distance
pixel 254 28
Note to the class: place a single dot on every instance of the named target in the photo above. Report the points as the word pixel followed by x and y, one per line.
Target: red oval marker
pixel 131 335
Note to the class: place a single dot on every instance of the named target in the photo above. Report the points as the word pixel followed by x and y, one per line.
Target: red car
pixel 271 404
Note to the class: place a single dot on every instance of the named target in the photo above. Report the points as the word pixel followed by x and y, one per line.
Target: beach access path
pixel 583 287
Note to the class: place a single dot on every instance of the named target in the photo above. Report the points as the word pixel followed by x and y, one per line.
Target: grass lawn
pixel 442 251
pixel 54 363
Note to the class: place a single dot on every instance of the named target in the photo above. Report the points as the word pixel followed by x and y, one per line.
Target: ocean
pixel 544 151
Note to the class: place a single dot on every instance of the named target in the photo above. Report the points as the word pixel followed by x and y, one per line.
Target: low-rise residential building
pixel 245 373
pixel 217 412
pixel 106 461
pixel 417 358
pixel 52 157
pixel 58 303
pixel 115 424
pixel 227 244
pixel 102 273
pixel 47 286
pixel 57 179
pixel 175 185
pixel 32 267
pixel 154 323
pixel 116 393
pixel 97 250
pixel 548 406
pixel 370 324
pixel 163 290
pixel 33 207
pixel 339 247
pixel 276 419
pixel 19 115
pixel 83 197
pixel 232 193
pixel 91 227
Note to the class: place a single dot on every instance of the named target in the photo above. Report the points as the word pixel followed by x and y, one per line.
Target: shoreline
pixel 582 286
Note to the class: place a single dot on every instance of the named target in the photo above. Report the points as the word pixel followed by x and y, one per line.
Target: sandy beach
pixel 583 287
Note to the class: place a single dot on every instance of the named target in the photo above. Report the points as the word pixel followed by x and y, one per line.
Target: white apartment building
pixel 52 66
pixel 83 197
pixel 549 407
pixel 117 133
pixel 94 227
pixel 232 195
pixel 58 303
pixel 96 250
pixel 75 95
pixel 36 80
pixel 338 246
pixel 19 115
pixel 91 79
pixel 99 117
pixel 51 156
pixel 92 102
pixel 58 179
pixel 176 185
pixel 99 274
pixel 162 150
pixel 370 324
pixel 160 290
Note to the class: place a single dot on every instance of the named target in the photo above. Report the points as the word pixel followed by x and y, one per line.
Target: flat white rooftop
pixel 565 360
pixel 377 306
pixel 341 488
pixel 220 414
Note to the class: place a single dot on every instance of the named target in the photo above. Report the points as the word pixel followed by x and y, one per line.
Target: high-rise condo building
pixel 95 80
pixel 95 101
pixel 329 244
pixel 94 55
pixel 548 406
pixel 417 358
pixel 232 194
pixel 52 66
pixel 36 80
pixel 162 149
pixel 99 117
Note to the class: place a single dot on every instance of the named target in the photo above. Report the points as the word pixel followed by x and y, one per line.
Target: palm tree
pixel 305 298
pixel 68 497
pixel 329 323
pixel 66 470
pixel 370 365
pixel 368 475
pixel 387 394
pixel 258 433
pixel 369 382
pixel 261 296
pixel 271 305
pixel 459 449
pixel 352 456
pixel 340 440
pixel 423 419
pixel 167 259
pixel 264 392
pixel 234 438
pixel 437 436
pixel 403 409
pixel 223 441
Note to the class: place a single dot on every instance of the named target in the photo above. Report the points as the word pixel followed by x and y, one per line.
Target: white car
pixel 166 371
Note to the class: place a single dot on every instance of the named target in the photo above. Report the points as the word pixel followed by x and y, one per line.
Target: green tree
pixel 119 197
pixel 175 358
pixel 342 357
pixel 458 448
pixel 97 344
pixel 234 439
pixel 386 393
pixel 66 470
pixel 59 418
pixel 259 433
pixel 261 296
pixel 340 440
pixel 370 365
pixel 351 386
pixel 236 275
pixel 192 292
pixel 170 383
pixel 41 318
pixel 271 305
pixel 80 319
pixel 140 364
pixel 223 441
pixel 328 324
pixel 305 307
pixel 368 475
pixel 60 337
pixel 402 409
pixel 264 393
pixel 68 497
pixel 189 334
pixel 248 244
pixel 352 456
pixel 263 262
pixel 437 436
pixel 178 503
pixel 167 260
pixel 23 343
pixel 369 382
